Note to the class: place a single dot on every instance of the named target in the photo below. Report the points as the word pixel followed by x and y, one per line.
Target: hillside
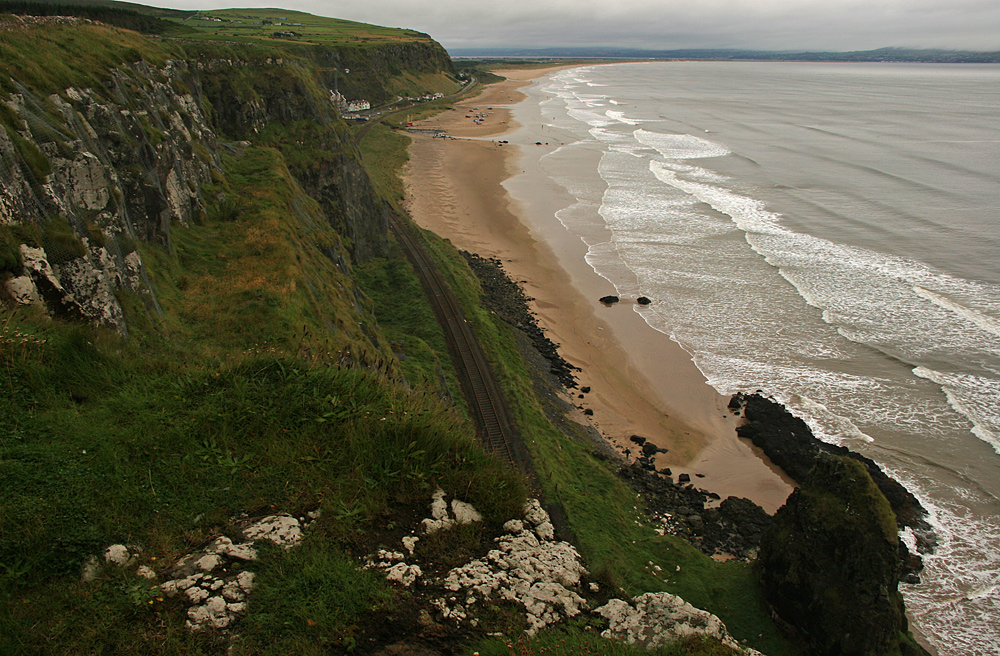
pixel 207 331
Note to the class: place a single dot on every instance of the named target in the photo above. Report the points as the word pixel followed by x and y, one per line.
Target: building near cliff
pixel 345 106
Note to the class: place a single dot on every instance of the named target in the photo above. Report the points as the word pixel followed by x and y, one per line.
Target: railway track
pixel 479 386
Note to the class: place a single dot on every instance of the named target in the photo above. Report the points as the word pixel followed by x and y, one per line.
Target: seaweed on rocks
pixel 507 300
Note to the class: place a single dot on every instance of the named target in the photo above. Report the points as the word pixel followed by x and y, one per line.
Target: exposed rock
pixel 653 620
pixel 609 300
pixel 119 554
pixel 829 563
pixel 464 512
pixel 731 530
pixel 526 568
pixel 642 300
pixel 403 574
pixel 283 530
pixel 210 581
pixel 790 444
pixel 439 520
pixel 505 298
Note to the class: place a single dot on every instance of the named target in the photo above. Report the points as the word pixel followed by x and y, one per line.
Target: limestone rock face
pixel 528 567
pixel 654 620
pixel 829 563
pixel 124 162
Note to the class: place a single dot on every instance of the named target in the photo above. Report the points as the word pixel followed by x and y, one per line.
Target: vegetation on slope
pixel 267 386
pixel 231 404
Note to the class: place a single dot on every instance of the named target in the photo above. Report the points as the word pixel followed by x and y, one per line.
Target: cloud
pixel 756 24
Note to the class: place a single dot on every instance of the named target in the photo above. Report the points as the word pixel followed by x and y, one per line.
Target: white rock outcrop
pixel 210 580
pixel 527 567
pixel 653 620
pixel 463 513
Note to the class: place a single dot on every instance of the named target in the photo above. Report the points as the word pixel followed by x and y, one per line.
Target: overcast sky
pixel 668 24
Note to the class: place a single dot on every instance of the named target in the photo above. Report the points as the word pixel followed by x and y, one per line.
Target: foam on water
pixel 982 320
pixel 869 347
pixel 620 117
pixel 972 396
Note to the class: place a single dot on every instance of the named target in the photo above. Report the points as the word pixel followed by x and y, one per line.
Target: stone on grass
pixel 118 554
pixel 657 619
pixel 439 520
pixel 464 512
pixel 403 573
pixel 283 530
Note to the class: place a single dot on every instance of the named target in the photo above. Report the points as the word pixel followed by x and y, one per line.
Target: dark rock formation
pixel 505 298
pixel 642 300
pixel 790 444
pixel 609 300
pixel 829 563
pixel 732 529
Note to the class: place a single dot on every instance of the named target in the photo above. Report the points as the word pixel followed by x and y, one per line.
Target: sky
pixel 668 24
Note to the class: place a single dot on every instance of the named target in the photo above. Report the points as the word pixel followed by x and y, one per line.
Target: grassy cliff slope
pixel 271 353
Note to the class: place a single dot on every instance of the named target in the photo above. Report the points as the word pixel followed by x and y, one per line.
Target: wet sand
pixel 641 382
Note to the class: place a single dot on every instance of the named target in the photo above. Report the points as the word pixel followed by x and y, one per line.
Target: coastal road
pixel 379 117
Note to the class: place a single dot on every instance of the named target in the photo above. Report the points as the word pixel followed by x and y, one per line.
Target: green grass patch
pixel 407 320
pixel 384 153
pixel 279 24
pixel 48 59
pixel 310 600
pixel 604 514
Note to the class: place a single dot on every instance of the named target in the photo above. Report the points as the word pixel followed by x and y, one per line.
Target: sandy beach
pixel 641 382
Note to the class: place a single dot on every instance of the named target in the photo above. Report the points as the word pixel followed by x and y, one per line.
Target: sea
pixel 827 234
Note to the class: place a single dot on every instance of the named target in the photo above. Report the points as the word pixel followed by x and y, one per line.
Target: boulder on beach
pixel 642 300
pixel 609 300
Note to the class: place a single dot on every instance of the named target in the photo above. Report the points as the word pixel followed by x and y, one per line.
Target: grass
pixel 603 513
pixel 247 24
pixel 384 153
pixel 259 390
pixel 50 59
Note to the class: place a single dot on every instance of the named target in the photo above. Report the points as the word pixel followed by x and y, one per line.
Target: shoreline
pixel 641 382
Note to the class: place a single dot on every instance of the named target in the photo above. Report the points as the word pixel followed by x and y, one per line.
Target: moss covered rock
pixel 829 563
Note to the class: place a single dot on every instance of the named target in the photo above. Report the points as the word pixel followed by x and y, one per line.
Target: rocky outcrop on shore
pixel 829 563
pixel 507 300
pixel 790 444
pixel 731 529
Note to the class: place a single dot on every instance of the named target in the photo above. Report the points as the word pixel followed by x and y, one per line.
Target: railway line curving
pixel 479 385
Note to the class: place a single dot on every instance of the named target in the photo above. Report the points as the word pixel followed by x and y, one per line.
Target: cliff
pixel 829 564
pixel 196 377
pixel 90 172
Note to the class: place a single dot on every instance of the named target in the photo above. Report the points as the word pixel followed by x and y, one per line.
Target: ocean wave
pixel 982 320
pixel 973 397
pixel 680 146
pixel 621 118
